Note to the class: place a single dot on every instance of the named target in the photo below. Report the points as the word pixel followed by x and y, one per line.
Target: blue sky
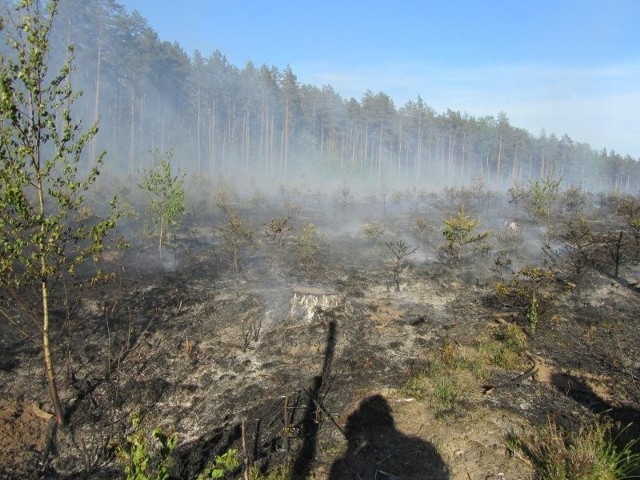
pixel 566 66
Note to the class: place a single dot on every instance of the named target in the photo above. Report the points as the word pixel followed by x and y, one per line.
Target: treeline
pixel 261 122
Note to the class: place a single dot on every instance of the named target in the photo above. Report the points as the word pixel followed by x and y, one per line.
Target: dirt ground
pixel 225 361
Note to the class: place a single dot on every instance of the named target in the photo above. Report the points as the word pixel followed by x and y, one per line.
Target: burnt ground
pixel 350 389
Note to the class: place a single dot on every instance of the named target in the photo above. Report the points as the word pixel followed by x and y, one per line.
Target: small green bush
pixel 136 457
pixel 222 464
pixel 374 232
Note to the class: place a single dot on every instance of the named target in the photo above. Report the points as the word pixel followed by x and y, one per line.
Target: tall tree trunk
pixel 380 158
pixel 245 138
pixel 463 160
pixel 96 101
pixel 212 139
pixel 132 132
pixel 272 143
pixel 515 171
pixel 451 157
pixel 285 140
pixel 418 166
pixel 365 149
pixel 499 165
pixel 198 133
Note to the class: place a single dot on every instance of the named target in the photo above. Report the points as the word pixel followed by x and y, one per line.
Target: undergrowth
pixel 141 462
pixel 280 472
pixel 505 347
pixel 595 451
pixel 455 369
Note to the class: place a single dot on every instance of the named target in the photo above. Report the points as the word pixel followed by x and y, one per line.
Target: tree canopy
pixel 261 121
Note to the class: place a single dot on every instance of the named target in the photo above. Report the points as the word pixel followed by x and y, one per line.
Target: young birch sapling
pixel 41 189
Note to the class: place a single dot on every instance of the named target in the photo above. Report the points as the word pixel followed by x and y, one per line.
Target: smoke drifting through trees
pixel 260 122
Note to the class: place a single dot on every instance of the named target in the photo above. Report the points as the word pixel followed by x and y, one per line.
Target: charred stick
pixel 327 413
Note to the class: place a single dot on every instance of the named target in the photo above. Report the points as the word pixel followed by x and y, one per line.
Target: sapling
pixel 342 197
pixel 308 244
pixel 542 193
pixel 421 230
pixel 459 231
pixel 374 232
pixel 276 229
pixel 236 235
pixel 400 251
pixel 576 249
pixel 235 231
pixel 167 194
pixel 615 250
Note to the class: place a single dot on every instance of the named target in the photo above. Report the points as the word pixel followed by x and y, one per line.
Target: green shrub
pixel 136 458
pixel 374 232
pixel 222 464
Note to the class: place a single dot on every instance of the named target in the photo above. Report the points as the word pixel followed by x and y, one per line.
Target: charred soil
pixel 319 364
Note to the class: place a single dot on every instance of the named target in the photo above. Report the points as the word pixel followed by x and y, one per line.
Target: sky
pixel 565 66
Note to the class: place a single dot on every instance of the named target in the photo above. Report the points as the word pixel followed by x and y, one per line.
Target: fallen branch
pixel 517 380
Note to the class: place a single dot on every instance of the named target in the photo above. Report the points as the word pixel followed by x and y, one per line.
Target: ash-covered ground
pixel 327 353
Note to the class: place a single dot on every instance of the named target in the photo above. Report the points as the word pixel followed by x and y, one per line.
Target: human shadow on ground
pixel 377 450
pixel 627 416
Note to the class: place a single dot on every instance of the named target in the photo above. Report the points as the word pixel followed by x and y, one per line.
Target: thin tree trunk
pixel 246 138
pixel 380 157
pixel 132 133
pixel 46 344
pixel 272 143
pixel 48 358
pixel 212 139
pixel 285 140
pixel 418 155
pixel 198 134
pixel 96 103
pixel 161 236
pixel 618 255
pixel 500 147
